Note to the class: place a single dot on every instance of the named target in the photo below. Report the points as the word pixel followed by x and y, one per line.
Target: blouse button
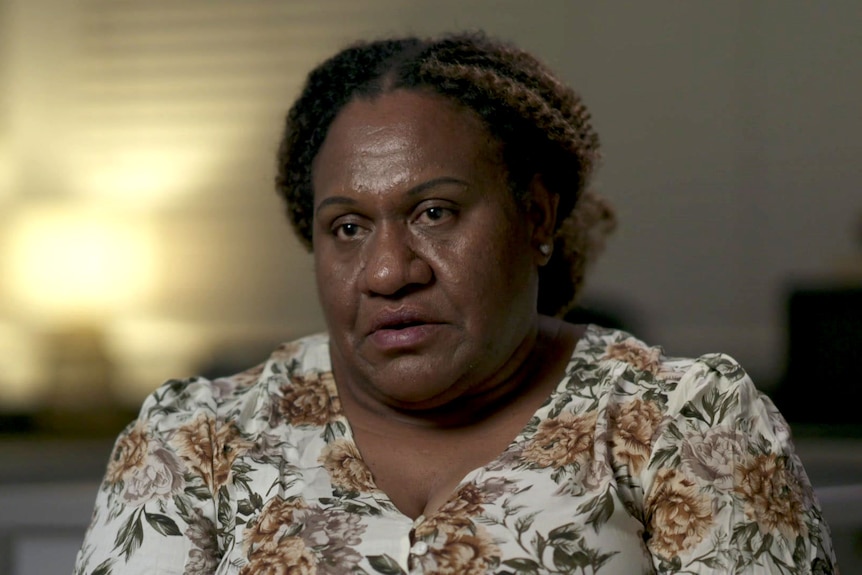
pixel 419 548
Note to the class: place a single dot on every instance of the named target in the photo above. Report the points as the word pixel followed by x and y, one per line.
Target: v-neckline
pixel 580 349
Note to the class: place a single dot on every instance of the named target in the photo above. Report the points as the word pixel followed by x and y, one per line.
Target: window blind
pixel 174 98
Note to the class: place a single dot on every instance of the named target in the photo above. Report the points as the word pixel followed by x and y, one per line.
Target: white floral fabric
pixel 636 463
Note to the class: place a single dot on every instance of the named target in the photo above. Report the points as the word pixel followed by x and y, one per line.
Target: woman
pixel 448 422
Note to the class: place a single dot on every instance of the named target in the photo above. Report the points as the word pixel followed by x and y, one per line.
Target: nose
pixel 392 263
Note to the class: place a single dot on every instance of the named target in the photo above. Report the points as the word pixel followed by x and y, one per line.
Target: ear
pixel 542 215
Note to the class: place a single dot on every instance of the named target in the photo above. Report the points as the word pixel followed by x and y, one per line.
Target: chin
pixel 404 383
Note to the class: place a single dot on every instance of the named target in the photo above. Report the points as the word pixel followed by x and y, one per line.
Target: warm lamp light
pixel 142 176
pixel 70 271
pixel 20 388
pixel 5 171
pixel 72 265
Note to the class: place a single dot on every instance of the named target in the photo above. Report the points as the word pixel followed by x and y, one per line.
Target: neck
pixel 534 370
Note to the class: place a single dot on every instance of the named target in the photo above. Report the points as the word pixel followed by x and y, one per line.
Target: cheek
pixel 490 267
pixel 334 284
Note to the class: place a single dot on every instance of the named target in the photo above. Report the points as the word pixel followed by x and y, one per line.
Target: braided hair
pixel 543 125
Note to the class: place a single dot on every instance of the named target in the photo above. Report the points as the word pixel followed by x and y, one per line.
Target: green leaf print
pixel 710 403
pixel 130 536
pixel 525 522
pixel 599 510
pixel 743 534
pixel 200 492
pixel 539 543
pixel 691 412
pixel 567 532
pixel 385 564
pixel 670 566
pixel 567 562
pixel 600 559
pixel 723 365
pixel 712 562
pixel 523 565
pixel 245 507
pixel 799 550
pixel 674 432
pixel 183 508
pixel 162 523
pixel 661 456
pixel 103 569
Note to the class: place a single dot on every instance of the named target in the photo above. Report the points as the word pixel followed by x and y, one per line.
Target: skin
pixel 427 272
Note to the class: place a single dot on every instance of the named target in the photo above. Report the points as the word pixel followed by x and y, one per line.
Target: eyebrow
pixel 418 189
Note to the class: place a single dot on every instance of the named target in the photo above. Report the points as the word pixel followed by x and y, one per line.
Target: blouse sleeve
pixel 724 491
pixel 156 507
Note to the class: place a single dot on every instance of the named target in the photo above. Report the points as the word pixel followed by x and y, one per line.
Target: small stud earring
pixel 545 249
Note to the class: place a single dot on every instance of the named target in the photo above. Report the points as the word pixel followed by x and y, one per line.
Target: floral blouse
pixel 636 463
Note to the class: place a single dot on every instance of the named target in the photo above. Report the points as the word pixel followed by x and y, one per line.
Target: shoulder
pixel 635 367
pixel 647 394
pixel 699 454
pixel 169 469
pixel 234 397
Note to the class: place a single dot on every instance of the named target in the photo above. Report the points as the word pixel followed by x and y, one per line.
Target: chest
pixel 502 515
pixel 420 475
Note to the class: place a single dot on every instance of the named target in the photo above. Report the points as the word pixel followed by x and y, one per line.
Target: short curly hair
pixel 542 124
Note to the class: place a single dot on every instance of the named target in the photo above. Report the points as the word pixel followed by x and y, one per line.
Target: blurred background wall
pixel 140 237
pixel 142 135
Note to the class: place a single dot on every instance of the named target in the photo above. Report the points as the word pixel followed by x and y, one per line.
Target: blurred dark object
pixel 57 424
pixel 604 312
pixel 52 460
pixel 16 424
pixel 604 318
pixel 823 378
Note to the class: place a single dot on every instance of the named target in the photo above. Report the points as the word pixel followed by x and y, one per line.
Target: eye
pixel 347 231
pixel 435 215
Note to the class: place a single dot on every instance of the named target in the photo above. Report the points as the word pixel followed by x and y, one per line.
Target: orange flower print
pixel 635 354
pixel 772 496
pixel 274 520
pixel 464 554
pixel 228 445
pixel 561 441
pixel 146 469
pixel 454 515
pixel 310 400
pixel 466 503
pixel 632 427
pixel 678 515
pixel 129 454
pixel 345 466
pixel 289 556
pixel 210 449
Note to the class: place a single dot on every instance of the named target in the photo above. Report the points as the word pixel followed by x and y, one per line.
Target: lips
pixel 399 319
pixel 402 328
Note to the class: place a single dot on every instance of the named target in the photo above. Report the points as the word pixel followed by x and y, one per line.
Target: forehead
pixel 403 135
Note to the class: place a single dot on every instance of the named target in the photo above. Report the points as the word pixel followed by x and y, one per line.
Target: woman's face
pixel 426 265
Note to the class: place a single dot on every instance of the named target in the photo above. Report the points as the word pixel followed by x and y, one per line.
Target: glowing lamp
pixel 77 266
pixel 70 271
